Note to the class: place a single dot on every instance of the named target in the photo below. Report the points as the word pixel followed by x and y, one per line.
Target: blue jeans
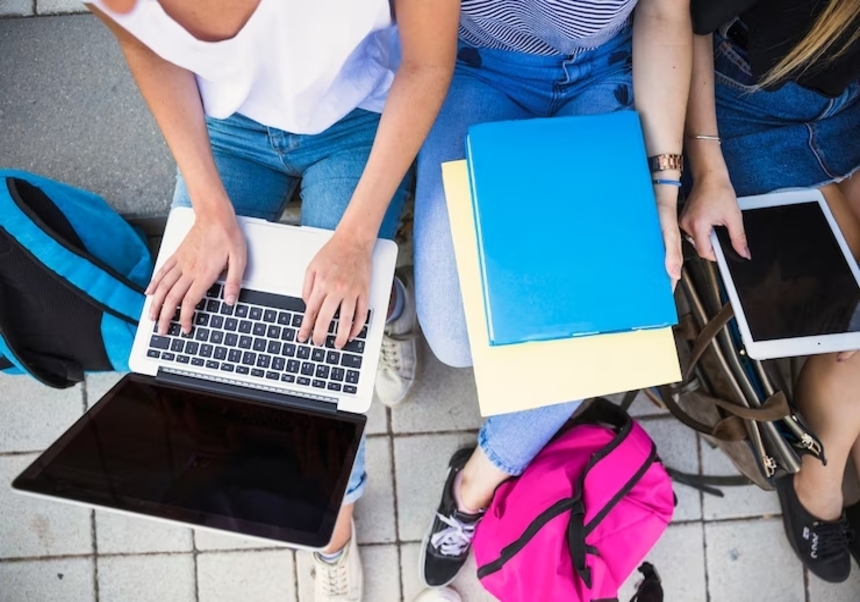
pixel 496 85
pixel 787 138
pixel 261 167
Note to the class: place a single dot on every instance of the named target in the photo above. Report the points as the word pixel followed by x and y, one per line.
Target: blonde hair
pixel 832 25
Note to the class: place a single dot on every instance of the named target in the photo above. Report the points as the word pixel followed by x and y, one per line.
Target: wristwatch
pixel 666 162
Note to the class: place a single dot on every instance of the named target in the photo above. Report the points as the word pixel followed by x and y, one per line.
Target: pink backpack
pixel 581 518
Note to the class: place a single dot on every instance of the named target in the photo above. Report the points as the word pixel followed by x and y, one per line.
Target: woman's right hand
pixel 713 202
pixel 213 242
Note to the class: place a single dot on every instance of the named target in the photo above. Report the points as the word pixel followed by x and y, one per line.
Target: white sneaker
pixel 342 581
pixel 399 359
pixel 445 594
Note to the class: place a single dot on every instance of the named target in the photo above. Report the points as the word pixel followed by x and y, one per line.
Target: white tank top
pixel 296 65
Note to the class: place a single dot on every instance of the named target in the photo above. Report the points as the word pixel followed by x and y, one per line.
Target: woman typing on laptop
pixel 537 59
pixel 253 95
pixel 782 82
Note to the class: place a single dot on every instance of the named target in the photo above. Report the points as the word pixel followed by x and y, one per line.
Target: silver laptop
pixel 236 426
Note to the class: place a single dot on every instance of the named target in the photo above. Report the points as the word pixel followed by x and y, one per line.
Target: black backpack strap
pixel 55 372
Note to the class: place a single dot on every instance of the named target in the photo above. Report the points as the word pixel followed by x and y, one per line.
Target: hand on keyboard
pixel 337 278
pixel 214 241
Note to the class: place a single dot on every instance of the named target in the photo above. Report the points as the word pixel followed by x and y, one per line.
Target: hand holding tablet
pixel 800 292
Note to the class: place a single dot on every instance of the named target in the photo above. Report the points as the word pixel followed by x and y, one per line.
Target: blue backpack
pixel 72 276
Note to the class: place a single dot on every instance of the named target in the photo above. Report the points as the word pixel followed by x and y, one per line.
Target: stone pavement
pixel 69 110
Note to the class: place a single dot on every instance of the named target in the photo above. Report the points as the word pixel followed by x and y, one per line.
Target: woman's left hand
pixel 337 277
pixel 667 211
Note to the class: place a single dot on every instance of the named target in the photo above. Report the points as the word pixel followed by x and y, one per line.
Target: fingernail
pixel 747 253
pixel 231 299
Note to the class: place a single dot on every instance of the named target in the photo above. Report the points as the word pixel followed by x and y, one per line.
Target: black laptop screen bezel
pixel 32 481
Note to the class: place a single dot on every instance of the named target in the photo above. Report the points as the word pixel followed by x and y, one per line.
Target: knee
pixel 446 337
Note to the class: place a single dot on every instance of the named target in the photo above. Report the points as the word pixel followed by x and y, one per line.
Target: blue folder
pixel 568 235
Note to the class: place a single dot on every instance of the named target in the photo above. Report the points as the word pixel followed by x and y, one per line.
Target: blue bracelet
pixel 676 183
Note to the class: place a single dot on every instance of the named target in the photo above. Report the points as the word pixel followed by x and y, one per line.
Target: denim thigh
pixel 789 137
pixel 470 101
pixel 332 163
pixel 250 170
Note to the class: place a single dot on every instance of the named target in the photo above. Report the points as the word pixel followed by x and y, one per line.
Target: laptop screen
pixel 255 469
pixel 798 282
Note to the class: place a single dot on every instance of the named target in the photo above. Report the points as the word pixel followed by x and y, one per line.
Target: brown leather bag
pixel 738 404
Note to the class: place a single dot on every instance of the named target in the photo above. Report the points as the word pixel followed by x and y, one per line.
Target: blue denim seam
pixel 494 458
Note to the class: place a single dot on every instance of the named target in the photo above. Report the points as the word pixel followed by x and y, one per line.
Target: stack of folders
pixel 561 261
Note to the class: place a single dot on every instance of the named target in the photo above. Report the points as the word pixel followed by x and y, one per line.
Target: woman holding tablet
pixel 782 82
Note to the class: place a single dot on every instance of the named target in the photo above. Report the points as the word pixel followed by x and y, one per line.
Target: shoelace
pixel 334 578
pixel 455 539
pixel 832 537
pixel 390 350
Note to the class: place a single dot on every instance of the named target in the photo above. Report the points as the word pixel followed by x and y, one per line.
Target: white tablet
pixel 800 292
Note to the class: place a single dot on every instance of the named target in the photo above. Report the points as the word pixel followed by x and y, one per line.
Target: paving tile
pixel 676 445
pixel 55 7
pixel 738 502
pixel 421 463
pixel 35 415
pixel 252 576
pixel 36 527
pixel 444 399
pixel 66 93
pixel 822 591
pixel 466 583
pixel 146 578
pixel 211 541
pixel 16 8
pixel 120 534
pixel 679 558
pixel 377 419
pixel 642 406
pixel 100 383
pixel 374 512
pixel 61 579
pixel 381 574
pixel 751 560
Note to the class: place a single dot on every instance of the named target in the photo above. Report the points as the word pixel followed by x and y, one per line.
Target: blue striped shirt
pixel 544 27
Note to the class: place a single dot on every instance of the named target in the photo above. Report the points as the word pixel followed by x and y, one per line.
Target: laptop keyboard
pixel 256 338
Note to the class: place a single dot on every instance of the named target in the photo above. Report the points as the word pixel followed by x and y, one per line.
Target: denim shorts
pixel 786 138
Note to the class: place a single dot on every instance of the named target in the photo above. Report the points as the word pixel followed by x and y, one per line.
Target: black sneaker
pixel 852 514
pixel 820 545
pixel 447 543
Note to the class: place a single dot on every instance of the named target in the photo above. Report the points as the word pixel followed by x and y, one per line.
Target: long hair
pixel 834 31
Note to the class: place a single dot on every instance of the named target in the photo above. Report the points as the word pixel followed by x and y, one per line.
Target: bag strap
pixel 706 337
pixel 100 285
pixel 55 372
pixel 708 483
pixel 727 429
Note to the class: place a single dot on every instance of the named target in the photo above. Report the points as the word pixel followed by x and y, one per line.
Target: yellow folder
pixel 511 378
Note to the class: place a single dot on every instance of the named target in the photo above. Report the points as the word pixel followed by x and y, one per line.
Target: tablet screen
pixel 798 283
pixel 205 459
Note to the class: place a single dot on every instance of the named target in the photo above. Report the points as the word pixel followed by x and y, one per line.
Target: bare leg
pixel 342 530
pixel 828 395
pixel 850 189
pixel 478 482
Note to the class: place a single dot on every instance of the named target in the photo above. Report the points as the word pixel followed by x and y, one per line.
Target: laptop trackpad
pixel 210 460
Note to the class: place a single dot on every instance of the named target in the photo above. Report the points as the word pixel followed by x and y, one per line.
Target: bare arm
pixel 712 201
pixel 216 239
pixel 428 34
pixel 662 51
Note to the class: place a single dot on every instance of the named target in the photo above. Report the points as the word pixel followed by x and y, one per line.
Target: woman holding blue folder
pixel 520 60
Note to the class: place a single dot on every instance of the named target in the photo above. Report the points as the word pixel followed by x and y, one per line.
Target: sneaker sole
pixel 426 541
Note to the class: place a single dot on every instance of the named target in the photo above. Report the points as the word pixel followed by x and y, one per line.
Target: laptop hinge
pixel 245 391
